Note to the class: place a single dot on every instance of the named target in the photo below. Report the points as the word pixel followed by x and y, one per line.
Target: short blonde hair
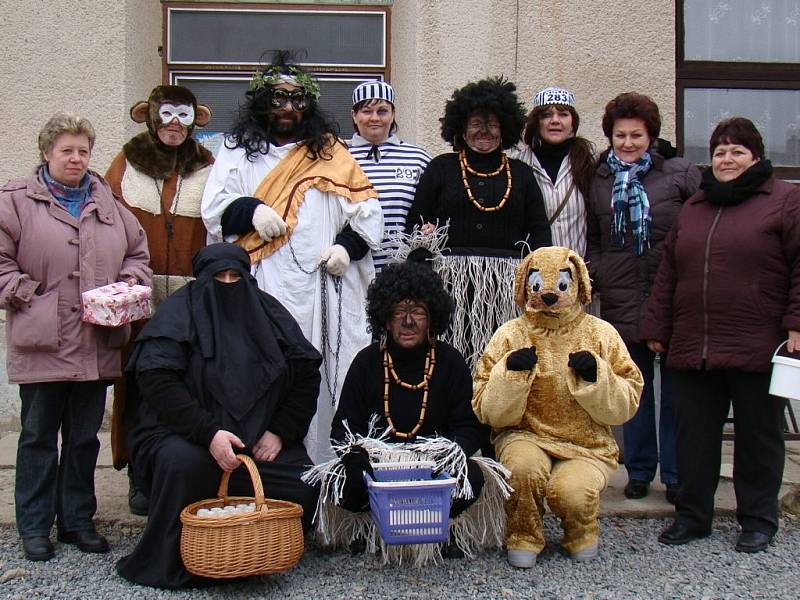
pixel 64 123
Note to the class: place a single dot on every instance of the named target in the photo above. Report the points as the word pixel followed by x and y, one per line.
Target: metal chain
pixel 170 230
pixel 326 344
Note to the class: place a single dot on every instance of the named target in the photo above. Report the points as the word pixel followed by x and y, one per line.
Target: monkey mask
pixel 552 281
pixel 171 113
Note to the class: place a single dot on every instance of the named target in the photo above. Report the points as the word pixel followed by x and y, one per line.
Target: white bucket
pixel 785 380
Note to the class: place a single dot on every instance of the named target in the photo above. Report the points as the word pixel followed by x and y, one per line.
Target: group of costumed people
pixel 475 351
pixel 304 218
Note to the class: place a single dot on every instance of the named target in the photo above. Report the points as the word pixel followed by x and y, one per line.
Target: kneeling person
pixel 223 368
pixel 551 383
pixel 408 396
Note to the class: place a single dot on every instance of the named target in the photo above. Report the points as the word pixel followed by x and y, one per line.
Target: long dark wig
pixel 317 131
pixel 495 95
pixel 581 153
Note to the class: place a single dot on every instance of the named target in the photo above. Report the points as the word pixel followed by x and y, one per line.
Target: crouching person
pixel 408 398
pixel 551 383
pixel 223 369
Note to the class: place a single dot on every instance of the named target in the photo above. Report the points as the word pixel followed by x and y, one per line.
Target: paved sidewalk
pixel 112 486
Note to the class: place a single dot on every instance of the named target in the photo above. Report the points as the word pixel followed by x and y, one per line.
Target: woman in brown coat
pixel 726 295
pixel 637 192
pixel 62 233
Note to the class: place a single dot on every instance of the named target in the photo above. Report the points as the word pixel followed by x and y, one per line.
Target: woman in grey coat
pixel 62 233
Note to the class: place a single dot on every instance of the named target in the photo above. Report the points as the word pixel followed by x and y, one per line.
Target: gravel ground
pixel 632 564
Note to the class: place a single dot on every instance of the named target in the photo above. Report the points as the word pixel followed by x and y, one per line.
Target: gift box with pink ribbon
pixel 116 304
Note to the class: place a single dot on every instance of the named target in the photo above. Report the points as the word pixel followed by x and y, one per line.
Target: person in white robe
pixel 286 189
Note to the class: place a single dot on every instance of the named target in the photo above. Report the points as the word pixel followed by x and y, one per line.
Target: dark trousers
pixel 177 473
pixel 47 486
pixel 702 401
pixel 644 450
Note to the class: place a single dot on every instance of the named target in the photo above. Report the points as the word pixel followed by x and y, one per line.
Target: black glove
pixel 523 359
pixel 584 364
pixel 354 494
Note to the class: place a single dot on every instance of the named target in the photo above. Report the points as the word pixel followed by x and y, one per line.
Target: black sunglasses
pixel 297 98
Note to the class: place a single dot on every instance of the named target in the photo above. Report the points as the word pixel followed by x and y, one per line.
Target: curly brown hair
pixel 631 105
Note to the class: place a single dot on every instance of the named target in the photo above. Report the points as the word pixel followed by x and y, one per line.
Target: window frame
pixel 705 74
pixel 173 72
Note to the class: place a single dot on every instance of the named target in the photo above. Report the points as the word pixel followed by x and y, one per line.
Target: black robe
pixel 215 356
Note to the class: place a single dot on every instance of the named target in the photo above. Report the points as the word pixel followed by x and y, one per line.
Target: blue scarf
pixel 72 199
pixel 629 201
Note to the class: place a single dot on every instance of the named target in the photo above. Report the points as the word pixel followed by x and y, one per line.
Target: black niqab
pixel 239 338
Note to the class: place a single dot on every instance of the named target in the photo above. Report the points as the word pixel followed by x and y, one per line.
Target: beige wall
pixel 91 57
pixel 96 58
pixel 439 45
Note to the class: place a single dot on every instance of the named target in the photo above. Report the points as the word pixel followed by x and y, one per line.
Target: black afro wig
pixel 409 280
pixel 494 95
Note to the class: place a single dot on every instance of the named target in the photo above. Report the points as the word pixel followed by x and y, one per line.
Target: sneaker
pixel 586 554
pixel 522 559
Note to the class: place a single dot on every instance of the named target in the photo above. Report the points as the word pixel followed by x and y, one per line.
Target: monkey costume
pixel 550 384
pixel 162 185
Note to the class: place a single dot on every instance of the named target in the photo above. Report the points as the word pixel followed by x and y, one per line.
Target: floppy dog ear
pixel 521 281
pixel 584 283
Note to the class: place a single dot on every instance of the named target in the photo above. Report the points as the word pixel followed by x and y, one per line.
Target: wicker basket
pixel 268 540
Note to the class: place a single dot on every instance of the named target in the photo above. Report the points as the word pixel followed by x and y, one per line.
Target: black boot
pixel 137 501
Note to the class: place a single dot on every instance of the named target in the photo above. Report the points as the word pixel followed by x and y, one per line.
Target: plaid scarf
pixel 629 201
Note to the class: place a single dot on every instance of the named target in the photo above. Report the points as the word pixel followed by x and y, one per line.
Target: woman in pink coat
pixel 62 233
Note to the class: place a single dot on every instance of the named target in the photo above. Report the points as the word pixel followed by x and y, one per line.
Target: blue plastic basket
pixel 407 505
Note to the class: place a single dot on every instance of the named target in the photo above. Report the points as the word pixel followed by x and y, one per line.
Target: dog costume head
pixel 171 106
pixel 552 280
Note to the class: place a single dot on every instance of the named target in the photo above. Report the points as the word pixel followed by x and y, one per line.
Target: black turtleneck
pixel 449 411
pixel 441 196
pixel 552 155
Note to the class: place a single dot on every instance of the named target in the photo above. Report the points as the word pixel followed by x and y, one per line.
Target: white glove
pixel 268 223
pixel 336 260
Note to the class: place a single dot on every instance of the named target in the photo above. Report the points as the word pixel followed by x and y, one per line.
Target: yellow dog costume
pixel 550 384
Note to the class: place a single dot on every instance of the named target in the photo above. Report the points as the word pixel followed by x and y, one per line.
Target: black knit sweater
pixel 441 196
pixel 449 412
